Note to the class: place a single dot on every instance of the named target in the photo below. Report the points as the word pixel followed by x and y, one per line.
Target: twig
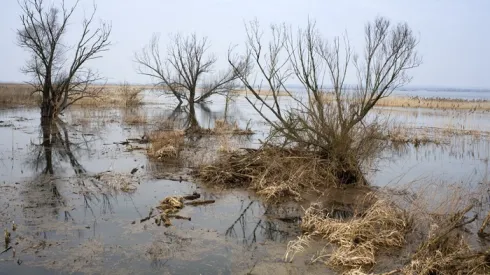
pixel 8 248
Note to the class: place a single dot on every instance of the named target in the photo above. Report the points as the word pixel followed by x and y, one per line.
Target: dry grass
pixel 272 172
pixel 430 232
pixel 356 241
pixel 18 95
pixel 434 103
pixel 165 144
pixel 429 103
pixel 123 95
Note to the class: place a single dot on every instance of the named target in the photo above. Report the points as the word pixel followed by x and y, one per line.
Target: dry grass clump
pixel 356 241
pixel 18 94
pixel 273 172
pixel 165 144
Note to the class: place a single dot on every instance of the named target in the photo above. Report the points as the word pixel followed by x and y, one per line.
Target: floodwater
pixel 68 223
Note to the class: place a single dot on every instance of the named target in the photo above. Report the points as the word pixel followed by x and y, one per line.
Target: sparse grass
pixel 274 173
pixel 165 144
pixel 401 135
pixel 222 127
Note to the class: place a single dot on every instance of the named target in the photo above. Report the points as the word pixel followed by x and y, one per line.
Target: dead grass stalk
pixel 275 173
pixel 358 240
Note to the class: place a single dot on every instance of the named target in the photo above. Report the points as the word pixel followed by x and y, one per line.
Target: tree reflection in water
pixel 249 230
pixel 49 158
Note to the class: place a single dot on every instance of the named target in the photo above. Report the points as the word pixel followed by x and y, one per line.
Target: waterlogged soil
pixel 68 221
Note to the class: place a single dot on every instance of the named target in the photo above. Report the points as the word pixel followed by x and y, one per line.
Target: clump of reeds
pixel 274 173
pixel 165 144
pixel 356 241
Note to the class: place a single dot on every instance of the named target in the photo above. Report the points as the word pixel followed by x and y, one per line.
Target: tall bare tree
pixel 332 119
pixel 58 69
pixel 186 71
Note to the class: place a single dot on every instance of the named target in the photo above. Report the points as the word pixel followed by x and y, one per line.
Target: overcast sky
pixel 454 35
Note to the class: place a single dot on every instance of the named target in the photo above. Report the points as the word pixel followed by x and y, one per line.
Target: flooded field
pixel 70 219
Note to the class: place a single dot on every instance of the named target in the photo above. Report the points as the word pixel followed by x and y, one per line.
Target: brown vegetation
pixel 165 144
pixel 275 173
pixel 434 103
pixel 356 241
pixel 18 95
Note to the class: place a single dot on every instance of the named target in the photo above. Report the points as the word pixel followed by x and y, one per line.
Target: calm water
pixel 68 224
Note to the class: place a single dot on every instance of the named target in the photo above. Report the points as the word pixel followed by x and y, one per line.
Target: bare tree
pixel 58 69
pixel 332 119
pixel 185 71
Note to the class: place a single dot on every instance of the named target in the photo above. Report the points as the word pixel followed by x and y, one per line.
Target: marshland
pixel 296 149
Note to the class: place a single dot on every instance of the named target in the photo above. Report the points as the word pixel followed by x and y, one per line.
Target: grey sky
pixel 454 35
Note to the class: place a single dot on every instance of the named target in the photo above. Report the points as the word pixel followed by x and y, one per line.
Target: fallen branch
pixel 8 248
pixel 194 196
pixel 195 203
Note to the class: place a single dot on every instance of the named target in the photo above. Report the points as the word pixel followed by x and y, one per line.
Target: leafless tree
pixel 186 71
pixel 58 69
pixel 331 120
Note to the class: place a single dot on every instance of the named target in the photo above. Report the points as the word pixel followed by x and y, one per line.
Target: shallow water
pixel 67 224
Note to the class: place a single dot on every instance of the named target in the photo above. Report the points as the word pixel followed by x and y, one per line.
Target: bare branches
pixel 185 70
pixel 42 31
pixel 330 119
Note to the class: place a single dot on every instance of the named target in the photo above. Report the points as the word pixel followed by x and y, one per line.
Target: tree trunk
pixel 46 125
pixel 193 124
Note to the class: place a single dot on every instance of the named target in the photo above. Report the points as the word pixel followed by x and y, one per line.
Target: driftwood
pixel 194 196
pixel 201 202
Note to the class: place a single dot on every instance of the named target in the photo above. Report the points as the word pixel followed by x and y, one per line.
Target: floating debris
pixel 170 206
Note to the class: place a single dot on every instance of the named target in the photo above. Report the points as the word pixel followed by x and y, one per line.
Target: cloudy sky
pixel 454 35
